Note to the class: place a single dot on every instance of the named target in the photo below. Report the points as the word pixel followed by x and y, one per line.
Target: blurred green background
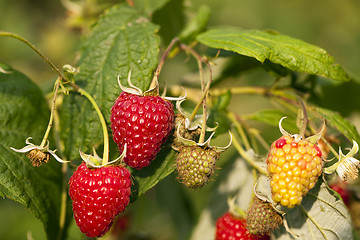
pixel 331 24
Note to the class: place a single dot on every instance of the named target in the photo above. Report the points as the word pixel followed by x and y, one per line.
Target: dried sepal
pixel 196 122
pixel 70 69
pixel 153 91
pixel 183 97
pixel 297 137
pixel 94 161
pixel 183 141
pixel 2 70
pixel 314 139
pixel 282 130
pixel 347 167
pixel 189 142
pixel 38 154
pixel 132 89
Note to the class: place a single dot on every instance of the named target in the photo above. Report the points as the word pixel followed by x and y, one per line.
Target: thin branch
pixel 161 63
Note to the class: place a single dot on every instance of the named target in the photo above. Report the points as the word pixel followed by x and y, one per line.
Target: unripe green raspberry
pixel 294 168
pixel 196 165
pixel 262 219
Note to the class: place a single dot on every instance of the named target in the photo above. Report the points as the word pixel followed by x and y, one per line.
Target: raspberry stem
pixel 240 130
pixel 204 89
pixel 303 119
pixel 264 91
pixel 246 157
pixel 57 84
pixel 48 129
pixel 330 147
pixel 62 217
pixel 203 125
pixel 64 168
pixel 13 35
pixel 103 124
pixel 161 63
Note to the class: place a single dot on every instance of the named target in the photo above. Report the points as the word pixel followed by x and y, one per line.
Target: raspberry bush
pixel 159 94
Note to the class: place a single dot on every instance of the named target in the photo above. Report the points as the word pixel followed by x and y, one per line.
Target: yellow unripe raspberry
pixel 294 168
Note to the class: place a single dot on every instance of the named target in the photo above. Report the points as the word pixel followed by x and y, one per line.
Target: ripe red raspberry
pixel 342 189
pixel 294 167
pixel 98 195
pixel 120 226
pixel 144 123
pixel 230 228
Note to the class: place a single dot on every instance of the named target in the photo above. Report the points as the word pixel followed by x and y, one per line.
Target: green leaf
pixel 171 19
pixel 122 40
pixel 148 177
pixel 218 118
pixel 235 66
pixel 275 69
pixel 273 116
pixel 289 52
pixel 196 25
pixel 149 6
pixel 172 197
pixel 24 113
pixel 321 215
pixel 222 102
pixel 340 123
pixel 343 98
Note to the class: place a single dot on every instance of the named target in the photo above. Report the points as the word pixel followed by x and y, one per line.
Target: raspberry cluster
pixel 294 167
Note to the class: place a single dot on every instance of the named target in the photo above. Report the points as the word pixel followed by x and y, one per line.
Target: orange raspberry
pixel 294 167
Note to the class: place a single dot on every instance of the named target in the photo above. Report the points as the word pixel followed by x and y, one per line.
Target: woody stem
pixel 161 63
